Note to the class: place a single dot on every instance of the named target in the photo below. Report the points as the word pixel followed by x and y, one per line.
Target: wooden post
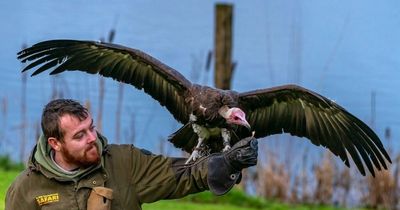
pixel 224 67
pixel 223 46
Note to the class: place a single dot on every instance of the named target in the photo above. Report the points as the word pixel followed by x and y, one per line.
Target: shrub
pixel 7 164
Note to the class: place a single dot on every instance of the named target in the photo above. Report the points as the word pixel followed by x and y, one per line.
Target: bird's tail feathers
pixel 184 138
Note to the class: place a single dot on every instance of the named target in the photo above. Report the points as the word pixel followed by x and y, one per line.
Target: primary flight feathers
pixel 204 110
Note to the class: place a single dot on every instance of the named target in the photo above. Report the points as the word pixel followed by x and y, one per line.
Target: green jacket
pixel 135 176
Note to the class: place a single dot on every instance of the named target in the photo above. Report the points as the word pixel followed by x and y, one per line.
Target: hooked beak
pixel 234 116
pixel 246 124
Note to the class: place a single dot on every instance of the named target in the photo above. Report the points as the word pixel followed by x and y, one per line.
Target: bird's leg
pixel 226 136
pixel 203 134
pixel 196 152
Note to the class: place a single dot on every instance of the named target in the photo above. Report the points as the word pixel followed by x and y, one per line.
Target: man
pixel 73 167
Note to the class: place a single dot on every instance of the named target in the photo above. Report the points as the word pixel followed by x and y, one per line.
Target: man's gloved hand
pixel 243 154
pixel 224 169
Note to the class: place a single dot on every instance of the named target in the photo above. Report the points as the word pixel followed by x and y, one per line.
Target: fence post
pixel 223 46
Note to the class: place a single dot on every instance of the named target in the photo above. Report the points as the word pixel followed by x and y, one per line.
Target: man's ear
pixel 54 143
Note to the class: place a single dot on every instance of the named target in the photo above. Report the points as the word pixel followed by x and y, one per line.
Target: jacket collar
pixel 34 166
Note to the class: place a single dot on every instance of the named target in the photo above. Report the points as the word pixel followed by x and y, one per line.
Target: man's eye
pixel 78 136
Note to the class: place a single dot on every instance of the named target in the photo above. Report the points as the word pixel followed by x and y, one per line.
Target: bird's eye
pixel 236 118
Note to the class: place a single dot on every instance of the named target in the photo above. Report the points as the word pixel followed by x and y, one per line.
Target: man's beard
pixel 90 156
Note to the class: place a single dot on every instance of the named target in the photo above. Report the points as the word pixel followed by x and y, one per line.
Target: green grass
pixel 235 197
pixel 6 177
pixel 234 200
pixel 184 205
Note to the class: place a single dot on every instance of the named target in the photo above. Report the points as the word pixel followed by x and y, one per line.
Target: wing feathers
pixel 120 63
pixel 300 112
pixel 311 126
pixel 334 130
pixel 49 64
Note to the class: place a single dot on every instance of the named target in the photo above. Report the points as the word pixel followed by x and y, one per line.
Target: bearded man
pixel 73 167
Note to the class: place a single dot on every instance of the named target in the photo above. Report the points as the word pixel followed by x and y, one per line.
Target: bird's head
pixel 234 116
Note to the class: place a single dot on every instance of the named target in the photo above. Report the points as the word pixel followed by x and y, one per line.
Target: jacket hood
pixel 40 160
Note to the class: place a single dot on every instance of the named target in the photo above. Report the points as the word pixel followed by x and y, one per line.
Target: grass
pixel 235 197
pixel 184 205
pixel 234 200
pixel 6 177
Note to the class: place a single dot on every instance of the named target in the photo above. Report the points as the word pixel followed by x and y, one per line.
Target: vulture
pixel 214 119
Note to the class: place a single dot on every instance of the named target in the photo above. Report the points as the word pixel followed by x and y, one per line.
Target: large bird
pixel 214 119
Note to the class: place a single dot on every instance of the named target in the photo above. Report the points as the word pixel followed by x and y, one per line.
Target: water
pixel 342 50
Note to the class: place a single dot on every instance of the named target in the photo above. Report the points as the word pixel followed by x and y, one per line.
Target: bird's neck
pixel 225 111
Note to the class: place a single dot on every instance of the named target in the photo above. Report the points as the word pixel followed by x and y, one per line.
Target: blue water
pixel 343 50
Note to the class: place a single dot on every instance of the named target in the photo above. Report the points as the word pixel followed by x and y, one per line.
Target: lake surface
pixel 345 51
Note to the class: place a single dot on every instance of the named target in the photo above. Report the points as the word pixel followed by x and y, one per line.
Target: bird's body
pixel 206 106
pixel 217 116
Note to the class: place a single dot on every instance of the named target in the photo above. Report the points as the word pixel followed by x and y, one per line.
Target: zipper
pixel 76 193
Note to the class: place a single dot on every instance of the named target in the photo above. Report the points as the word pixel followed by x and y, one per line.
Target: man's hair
pixel 54 110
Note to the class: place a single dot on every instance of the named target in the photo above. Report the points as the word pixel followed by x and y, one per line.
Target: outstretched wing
pixel 130 66
pixel 300 112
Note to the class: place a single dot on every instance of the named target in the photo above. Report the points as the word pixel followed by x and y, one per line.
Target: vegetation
pixel 6 177
pixel 7 164
pixel 177 205
pixel 235 197
pixel 326 182
pixel 234 200
pixel 8 171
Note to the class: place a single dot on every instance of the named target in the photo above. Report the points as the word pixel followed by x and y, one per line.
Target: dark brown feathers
pixel 301 112
pixel 123 64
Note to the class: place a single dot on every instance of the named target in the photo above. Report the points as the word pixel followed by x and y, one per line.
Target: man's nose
pixel 92 136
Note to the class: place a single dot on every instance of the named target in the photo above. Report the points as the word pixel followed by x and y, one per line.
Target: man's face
pixel 79 147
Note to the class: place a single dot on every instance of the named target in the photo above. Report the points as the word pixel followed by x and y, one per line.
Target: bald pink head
pixel 237 117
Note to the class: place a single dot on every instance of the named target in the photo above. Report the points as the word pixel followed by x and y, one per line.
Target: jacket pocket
pixel 100 199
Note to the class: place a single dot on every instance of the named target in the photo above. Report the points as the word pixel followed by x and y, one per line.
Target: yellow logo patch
pixel 45 199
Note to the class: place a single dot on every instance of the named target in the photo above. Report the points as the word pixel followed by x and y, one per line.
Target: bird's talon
pixel 193 157
pixel 226 148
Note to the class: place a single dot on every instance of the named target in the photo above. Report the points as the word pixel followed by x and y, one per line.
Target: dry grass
pixel 327 181
pixel 343 183
pixel 324 174
pixel 274 180
pixel 382 192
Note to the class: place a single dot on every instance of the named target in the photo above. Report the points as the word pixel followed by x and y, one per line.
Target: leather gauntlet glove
pixel 224 169
pixel 243 154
